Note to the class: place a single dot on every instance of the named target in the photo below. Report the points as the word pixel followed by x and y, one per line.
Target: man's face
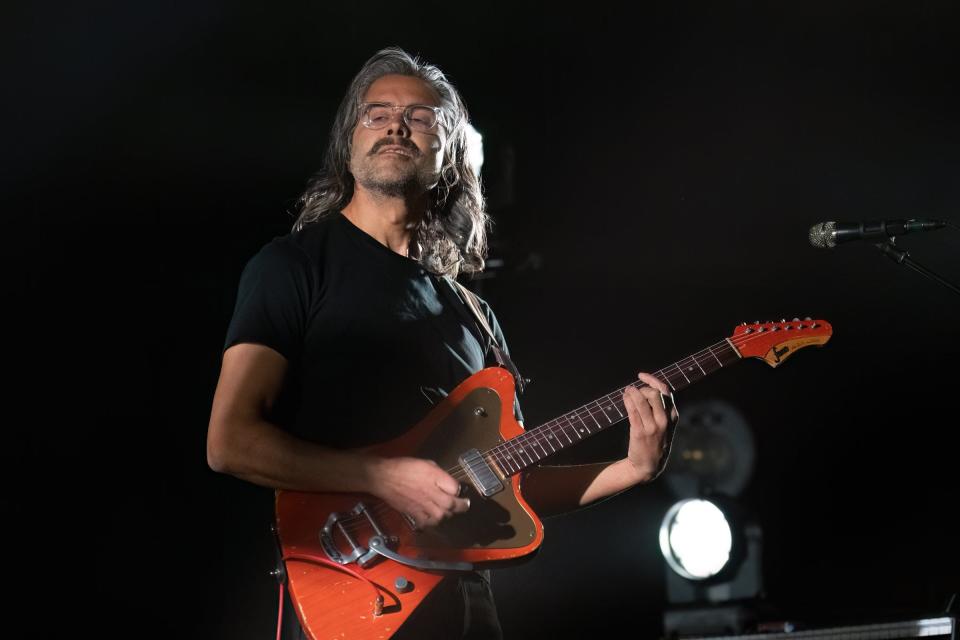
pixel 395 160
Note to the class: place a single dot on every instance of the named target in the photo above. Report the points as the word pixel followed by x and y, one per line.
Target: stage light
pixel 474 148
pixel 711 542
pixel 696 539
pixel 713 451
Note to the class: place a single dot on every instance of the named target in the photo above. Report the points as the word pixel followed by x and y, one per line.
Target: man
pixel 349 328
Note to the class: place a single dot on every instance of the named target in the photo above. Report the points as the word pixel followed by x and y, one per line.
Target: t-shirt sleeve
pixel 273 300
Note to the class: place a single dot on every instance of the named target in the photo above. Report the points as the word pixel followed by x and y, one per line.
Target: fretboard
pixel 534 445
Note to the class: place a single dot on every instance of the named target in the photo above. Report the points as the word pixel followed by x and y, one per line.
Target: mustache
pixel 396 142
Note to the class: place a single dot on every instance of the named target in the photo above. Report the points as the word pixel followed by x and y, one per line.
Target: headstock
pixel 774 342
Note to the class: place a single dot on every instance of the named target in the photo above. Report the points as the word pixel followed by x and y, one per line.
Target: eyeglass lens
pixel 417 117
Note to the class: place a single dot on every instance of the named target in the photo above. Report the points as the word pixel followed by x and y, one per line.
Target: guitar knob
pixel 808 318
pixel 401 584
pixel 796 319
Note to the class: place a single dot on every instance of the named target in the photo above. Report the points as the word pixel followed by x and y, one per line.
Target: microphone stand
pixel 902 256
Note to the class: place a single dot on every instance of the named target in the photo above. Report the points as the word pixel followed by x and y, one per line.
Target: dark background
pixel 653 172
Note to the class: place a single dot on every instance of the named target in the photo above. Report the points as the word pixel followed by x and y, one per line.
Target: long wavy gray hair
pixel 452 235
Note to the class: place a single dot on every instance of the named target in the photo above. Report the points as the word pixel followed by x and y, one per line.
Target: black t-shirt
pixel 372 339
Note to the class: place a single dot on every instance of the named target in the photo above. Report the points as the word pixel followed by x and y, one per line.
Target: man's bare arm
pixel 555 490
pixel 243 443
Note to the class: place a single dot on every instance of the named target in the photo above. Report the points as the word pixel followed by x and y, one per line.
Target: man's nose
pixel 398 125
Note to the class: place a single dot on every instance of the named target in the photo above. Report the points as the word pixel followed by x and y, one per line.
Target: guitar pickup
pixel 485 480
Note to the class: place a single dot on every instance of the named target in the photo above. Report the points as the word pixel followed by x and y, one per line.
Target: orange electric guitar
pixel 357 569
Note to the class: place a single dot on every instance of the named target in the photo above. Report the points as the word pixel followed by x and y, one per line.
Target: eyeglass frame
pixel 364 118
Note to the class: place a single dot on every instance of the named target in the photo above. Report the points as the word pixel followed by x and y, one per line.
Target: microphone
pixel 827 235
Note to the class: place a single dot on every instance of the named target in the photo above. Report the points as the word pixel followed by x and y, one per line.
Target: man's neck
pixel 391 221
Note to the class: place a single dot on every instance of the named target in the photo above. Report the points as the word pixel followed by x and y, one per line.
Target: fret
pixel 518 457
pixel 507 463
pixel 551 436
pixel 576 430
pixel 666 379
pixel 694 358
pixel 616 405
pixel 546 438
pixel 710 349
pixel 515 455
pixel 592 417
pixel 533 448
pixel 585 427
pixel 606 413
pixel 690 373
pixel 536 439
pixel 523 450
pixel 512 457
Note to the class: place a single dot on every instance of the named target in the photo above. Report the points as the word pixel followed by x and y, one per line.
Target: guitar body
pixel 477 415
pixel 357 569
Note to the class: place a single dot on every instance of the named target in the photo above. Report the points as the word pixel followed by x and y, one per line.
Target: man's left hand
pixel 653 418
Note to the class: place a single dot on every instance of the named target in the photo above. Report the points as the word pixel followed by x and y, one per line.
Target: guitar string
pixel 612 399
pixel 356 522
pixel 458 474
pixel 381 507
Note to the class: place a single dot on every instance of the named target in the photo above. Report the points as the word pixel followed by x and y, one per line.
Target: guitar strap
pixel 470 300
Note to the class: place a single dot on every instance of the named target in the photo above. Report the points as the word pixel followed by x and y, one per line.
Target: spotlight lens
pixel 696 539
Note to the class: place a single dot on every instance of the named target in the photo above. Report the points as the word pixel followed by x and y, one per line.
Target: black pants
pixel 458 608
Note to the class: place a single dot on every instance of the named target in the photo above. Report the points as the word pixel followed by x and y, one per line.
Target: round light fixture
pixel 696 538
pixel 713 451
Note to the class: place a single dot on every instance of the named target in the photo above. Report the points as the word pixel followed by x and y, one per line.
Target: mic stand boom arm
pixel 902 256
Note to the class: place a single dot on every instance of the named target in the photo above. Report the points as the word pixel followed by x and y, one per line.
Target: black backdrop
pixel 653 172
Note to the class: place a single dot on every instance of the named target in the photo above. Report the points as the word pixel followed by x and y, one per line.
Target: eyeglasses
pixel 419 117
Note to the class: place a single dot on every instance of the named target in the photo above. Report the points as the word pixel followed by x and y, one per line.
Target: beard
pixel 392 178
pixel 392 181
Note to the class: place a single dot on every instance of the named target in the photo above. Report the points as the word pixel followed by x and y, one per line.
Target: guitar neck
pixel 528 449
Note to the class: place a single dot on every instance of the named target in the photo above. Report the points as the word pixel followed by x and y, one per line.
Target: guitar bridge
pixel 339 526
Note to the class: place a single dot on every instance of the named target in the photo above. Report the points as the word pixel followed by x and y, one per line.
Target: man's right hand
pixel 418 488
